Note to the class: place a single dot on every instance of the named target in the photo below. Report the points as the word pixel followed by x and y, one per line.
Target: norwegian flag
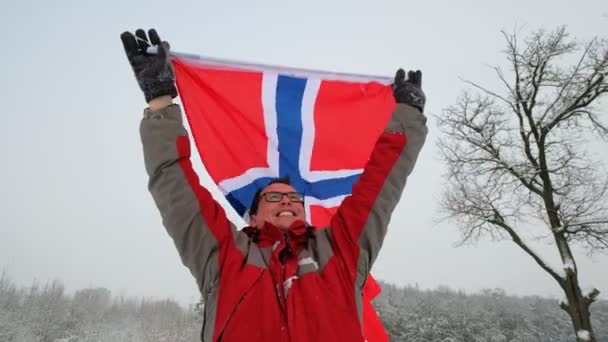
pixel 252 123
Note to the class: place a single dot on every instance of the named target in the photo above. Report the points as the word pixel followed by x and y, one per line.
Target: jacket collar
pixel 295 237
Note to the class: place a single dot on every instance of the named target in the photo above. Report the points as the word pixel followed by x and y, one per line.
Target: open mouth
pixel 286 213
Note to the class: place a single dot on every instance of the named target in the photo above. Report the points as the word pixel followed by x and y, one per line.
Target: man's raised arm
pixel 360 225
pixel 195 221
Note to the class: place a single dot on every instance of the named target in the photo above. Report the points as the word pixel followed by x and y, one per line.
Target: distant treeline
pixel 45 313
pixel 414 315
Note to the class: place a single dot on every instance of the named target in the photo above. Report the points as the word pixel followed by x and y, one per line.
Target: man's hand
pixel 154 73
pixel 409 91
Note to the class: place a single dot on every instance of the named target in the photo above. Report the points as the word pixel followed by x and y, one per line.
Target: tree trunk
pixel 578 309
pixel 578 303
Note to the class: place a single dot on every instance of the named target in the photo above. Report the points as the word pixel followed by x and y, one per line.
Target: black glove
pixel 154 73
pixel 409 91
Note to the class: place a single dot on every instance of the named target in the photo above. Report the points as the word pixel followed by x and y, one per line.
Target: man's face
pixel 280 214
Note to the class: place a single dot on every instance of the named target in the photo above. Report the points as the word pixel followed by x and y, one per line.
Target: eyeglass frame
pixel 300 196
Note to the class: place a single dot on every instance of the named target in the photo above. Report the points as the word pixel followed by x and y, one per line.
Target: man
pixel 278 279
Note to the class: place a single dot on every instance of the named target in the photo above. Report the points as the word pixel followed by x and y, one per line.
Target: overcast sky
pixel 73 200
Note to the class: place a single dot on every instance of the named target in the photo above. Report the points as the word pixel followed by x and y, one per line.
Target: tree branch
pixel 568 83
pixel 515 237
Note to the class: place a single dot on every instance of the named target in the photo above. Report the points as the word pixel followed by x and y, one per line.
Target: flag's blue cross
pixel 289 94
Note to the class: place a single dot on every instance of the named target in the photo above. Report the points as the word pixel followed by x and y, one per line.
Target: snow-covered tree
pixel 90 304
pixel 45 312
pixel 518 162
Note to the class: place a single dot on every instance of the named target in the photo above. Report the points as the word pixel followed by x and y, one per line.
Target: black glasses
pixel 276 196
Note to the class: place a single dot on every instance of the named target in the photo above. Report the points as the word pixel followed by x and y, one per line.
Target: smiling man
pixel 277 279
pixel 278 204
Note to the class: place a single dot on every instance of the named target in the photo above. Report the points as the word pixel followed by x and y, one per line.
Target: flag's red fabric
pixel 251 124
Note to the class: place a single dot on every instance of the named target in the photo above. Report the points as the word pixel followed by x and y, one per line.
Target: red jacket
pixel 264 285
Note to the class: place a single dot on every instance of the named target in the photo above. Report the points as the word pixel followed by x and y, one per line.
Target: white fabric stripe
pixel 308 261
pixel 287 284
pixel 315 176
pixel 269 103
pixel 307 216
pixel 217 63
pixel 308 125
pixel 269 92
pixel 326 203
pixel 230 184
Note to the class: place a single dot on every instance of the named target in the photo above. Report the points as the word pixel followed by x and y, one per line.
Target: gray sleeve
pixel 412 123
pixel 361 222
pixel 195 221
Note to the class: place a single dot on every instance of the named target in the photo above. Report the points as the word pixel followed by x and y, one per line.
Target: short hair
pixel 256 198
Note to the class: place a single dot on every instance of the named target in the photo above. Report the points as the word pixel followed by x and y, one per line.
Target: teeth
pixel 286 213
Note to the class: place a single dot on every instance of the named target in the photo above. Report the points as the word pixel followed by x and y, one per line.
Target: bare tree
pixel 518 159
